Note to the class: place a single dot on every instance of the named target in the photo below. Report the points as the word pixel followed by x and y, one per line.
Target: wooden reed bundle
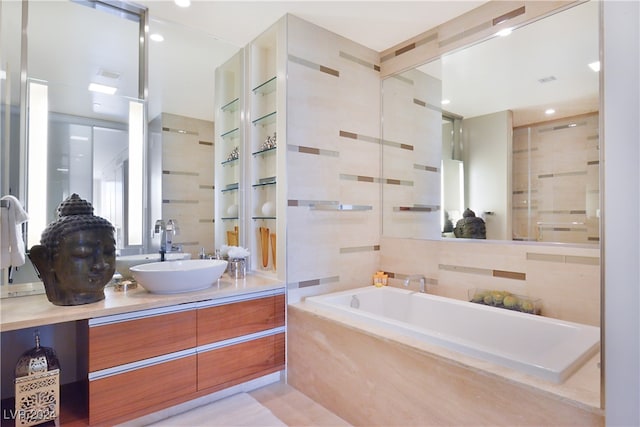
pixel 264 245
pixel 273 249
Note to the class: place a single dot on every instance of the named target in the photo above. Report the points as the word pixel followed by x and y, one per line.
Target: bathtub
pixel 546 348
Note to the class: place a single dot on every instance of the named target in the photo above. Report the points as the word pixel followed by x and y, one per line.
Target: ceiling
pixel 375 24
pixel 201 37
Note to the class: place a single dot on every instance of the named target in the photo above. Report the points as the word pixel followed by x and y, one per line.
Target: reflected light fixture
pixel 595 66
pixel 37 144
pixel 156 37
pixel 96 87
pixel 549 111
pixel 445 102
pixel 3 75
pixel 136 161
pixel 182 3
pixel 504 32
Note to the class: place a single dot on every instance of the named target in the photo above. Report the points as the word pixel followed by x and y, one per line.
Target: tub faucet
pixel 420 277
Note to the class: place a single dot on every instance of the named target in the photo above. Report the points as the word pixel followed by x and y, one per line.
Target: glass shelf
pixel 230 187
pixel 233 133
pixel 267 119
pixel 262 217
pixel 229 218
pixel 263 184
pixel 266 87
pixel 339 207
pixel 229 162
pixel 231 106
pixel 268 150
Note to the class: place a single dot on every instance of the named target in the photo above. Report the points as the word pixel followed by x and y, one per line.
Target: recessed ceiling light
pixel 549 111
pixel 182 3
pixel 109 90
pixel 504 32
pixel 445 101
pixel 156 37
pixel 595 66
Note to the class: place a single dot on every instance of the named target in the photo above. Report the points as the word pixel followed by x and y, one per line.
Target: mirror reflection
pixel 517 118
pixel 88 134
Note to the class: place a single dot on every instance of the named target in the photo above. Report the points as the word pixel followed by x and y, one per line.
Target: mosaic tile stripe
pixel 524 191
pixel 525 150
pixel 425 104
pixel 554 228
pixel 561 127
pixel 208 143
pixel 307 203
pixel 427 39
pixel 313 282
pixel 567 259
pixel 466 33
pixel 388 143
pixel 593 163
pixel 311 150
pixel 314 66
pixel 181 201
pixel 425 168
pixel 360 61
pixel 165 172
pixel 359 178
pixel 505 274
pixel 206 220
pixel 559 174
pixel 354 249
pixel 523 208
pixel 207 187
pixel 565 212
pixel 509 15
pixel 180 131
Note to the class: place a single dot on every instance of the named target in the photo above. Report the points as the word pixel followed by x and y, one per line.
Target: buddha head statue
pixel 76 256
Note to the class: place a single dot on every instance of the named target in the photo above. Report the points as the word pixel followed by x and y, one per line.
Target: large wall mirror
pixel 87 135
pixel 510 124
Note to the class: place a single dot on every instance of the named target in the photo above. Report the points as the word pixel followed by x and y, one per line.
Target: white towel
pixel 12 251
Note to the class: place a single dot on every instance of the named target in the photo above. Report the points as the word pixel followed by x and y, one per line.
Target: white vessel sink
pixel 124 263
pixel 179 276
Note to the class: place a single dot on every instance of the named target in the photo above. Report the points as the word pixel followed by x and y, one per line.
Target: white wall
pixel 487 148
pixel 621 72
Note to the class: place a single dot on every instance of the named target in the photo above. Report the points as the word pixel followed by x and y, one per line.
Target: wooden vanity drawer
pixel 234 364
pixel 232 320
pixel 138 392
pixel 128 341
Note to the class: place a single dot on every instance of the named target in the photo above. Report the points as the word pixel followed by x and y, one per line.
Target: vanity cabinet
pixel 148 360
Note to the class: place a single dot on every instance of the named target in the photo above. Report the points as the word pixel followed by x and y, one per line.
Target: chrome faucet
pixel 167 231
pixel 420 277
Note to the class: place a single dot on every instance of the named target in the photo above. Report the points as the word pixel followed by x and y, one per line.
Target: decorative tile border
pixel 355 249
pixel 311 150
pixel 207 143
pixel 180 131
pixel 565 259
pixel 167 172
pixel 207 187
pixel 425 168
pixel 425 104
pixel 307 203
pixel 206 220
pixel 565 212
pixel 561 127
pixel 504 274
pixel 314 66
pixel 357 60
pixel 352 135
pixel 180 201
pixel 375 180
pixel 426 39
pixel 313 282
pixel 560 174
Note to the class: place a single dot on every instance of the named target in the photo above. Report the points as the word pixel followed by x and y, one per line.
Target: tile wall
pixel 187 180
pixel 556 171
pixel 565 278
pixel 333 158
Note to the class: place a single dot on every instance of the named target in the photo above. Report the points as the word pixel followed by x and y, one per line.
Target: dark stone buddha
pixel 76 257
pixel 470 226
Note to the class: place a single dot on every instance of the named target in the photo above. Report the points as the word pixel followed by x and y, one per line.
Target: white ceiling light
pixel 109 90
pixel 549 111
pixel 445 101
pixel 182 3
pixel 504 32
pixel 595 66
pixel 156 37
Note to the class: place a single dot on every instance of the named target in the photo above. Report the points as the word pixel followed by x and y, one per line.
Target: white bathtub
pixel 547 348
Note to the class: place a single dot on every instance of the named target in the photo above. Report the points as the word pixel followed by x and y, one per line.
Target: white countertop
pixel 36 310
